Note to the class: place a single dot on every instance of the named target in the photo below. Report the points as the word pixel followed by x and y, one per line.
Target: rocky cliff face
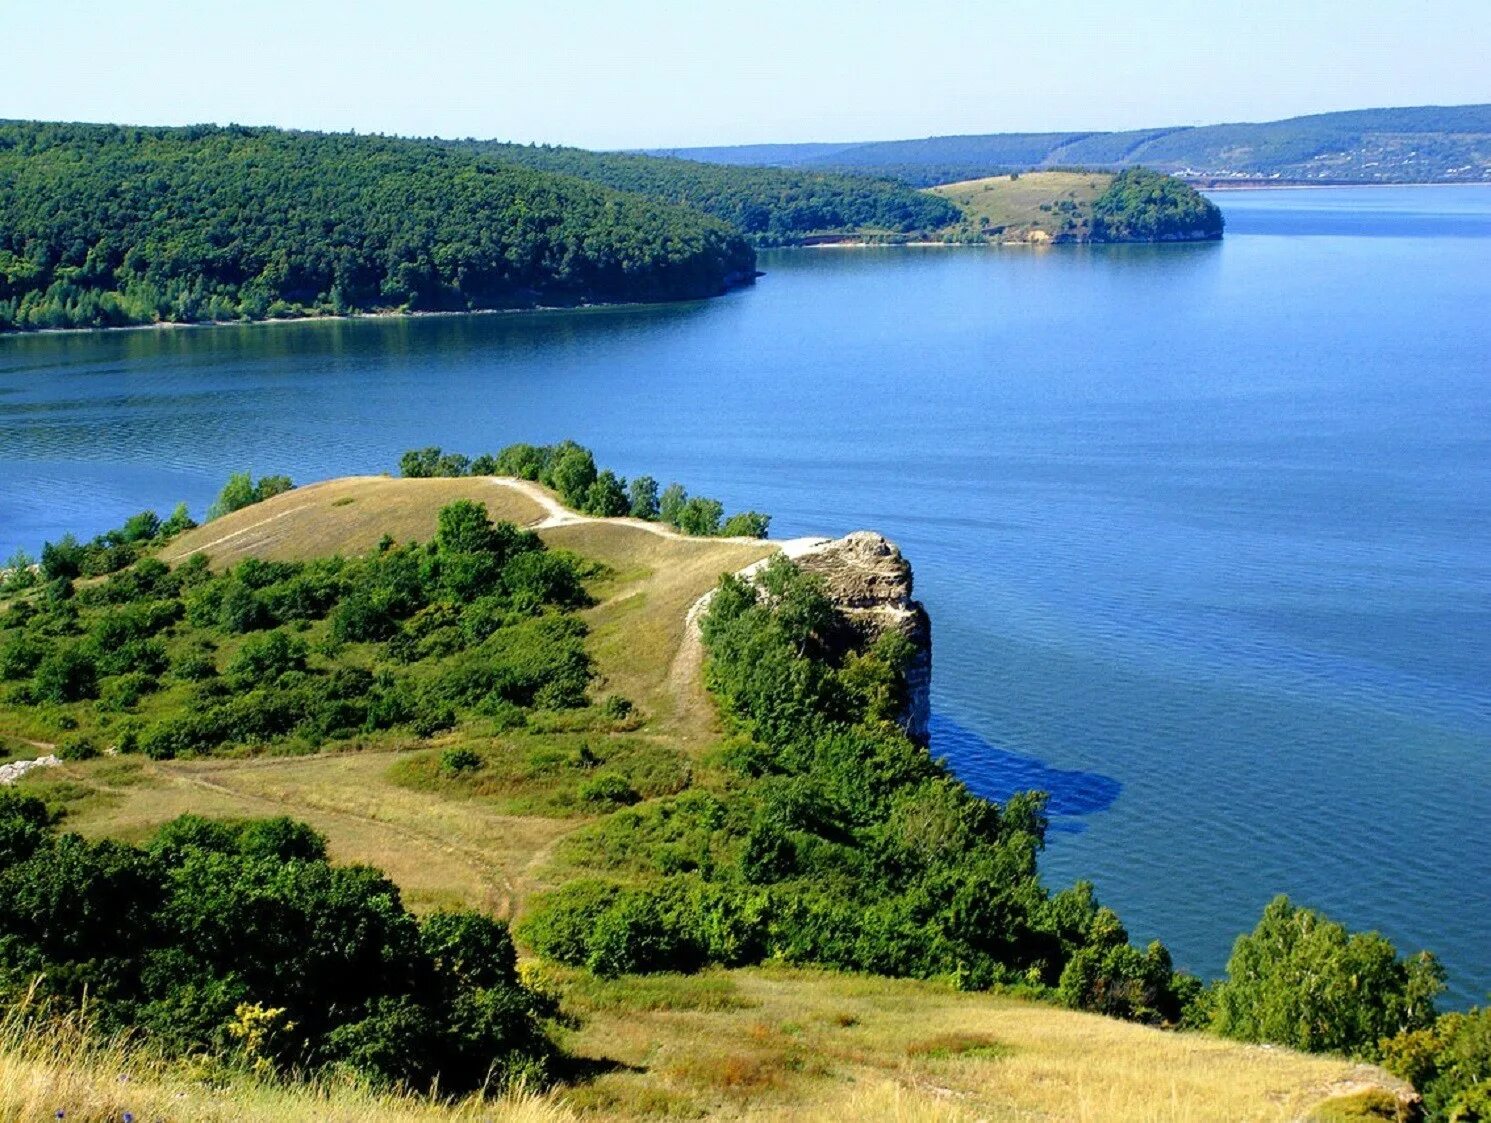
pixel 870 582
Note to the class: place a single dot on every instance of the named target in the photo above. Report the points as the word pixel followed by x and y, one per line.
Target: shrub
pixel 608 789
pixel 1449 1062
pixel 456 762
pixel 77 748
pixel 66 674
pixel 263 659
pixel 243 931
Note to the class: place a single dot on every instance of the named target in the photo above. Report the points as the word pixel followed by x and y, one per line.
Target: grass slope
pixel 1031 207
pixel 749 1044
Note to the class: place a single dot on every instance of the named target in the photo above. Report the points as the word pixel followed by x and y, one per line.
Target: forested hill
pixel 103 225
pixel 771 206
pixel 1424 144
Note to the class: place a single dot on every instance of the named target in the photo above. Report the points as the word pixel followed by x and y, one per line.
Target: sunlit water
pixel 1205 531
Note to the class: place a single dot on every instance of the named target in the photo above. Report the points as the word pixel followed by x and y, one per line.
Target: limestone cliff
pixel 870 582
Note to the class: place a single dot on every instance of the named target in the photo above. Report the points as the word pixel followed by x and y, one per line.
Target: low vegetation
pixel 477 625
pixel 714 906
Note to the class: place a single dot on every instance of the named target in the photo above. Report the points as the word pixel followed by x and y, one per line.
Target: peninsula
pixel 641 821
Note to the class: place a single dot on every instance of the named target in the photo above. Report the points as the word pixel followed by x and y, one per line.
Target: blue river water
pixel 1205 531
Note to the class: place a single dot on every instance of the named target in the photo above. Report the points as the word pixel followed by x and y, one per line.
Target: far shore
pixel 385 314
pixel 1264 185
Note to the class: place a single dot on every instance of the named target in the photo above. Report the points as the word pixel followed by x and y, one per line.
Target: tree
pixel 1302 980
pixel 571 471
pixel 606 497
pixel 701 516
pixel 241 491
pixel 746 524
pixel 464 528
pixel 642 498
pixel 420 463
pixel 670 506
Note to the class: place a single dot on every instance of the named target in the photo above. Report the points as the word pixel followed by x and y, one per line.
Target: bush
pixel 608 789
pixel 1449 1062
pixel 77 748
pixel 66 674
pixel 263 659
pixel 242 931
pixel 456 762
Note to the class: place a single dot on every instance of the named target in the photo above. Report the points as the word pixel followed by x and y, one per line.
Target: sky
pixel 669 73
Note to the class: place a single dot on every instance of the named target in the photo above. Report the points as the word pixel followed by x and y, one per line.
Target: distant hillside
pixel 771 206
pixel 1426 144
pixel 102 225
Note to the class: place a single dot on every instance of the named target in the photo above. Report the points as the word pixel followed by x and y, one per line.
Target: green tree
pixel 1302 980
pixel 606 497
pixel 671 504
pixel 746 524
pixel 642 498
pixel 701 516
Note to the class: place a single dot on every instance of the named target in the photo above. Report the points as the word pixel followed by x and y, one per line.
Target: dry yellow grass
pixel 346 516
pixel 440 852
pixel 53 1073
pixel 638 628
pixel 773 1044
pixel 1012 206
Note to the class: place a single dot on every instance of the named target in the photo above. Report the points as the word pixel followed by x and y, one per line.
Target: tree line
pixel 771 206
pixel 570 469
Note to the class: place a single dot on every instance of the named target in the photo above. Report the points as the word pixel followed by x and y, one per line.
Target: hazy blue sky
pixel 664 72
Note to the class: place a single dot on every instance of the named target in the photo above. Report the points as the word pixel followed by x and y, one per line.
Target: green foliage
pixel 421 637
pixel 1302 980
pixel 183 940
pixel 103 225
pixel 1148 206
pixel 834 839
pixel 770 206
pixel 746 524
pixel 570 469
pixel 242 491
pixel 455 761
pixel 1449 1062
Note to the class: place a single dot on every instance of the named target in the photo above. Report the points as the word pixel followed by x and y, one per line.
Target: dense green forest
pixel 103 225
pixel 1410 145
pixel 770 206
pixel 1147 206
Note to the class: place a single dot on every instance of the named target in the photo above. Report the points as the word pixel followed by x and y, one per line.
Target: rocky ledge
pixel 870 582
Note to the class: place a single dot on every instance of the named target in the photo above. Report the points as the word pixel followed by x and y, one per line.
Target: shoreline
pixel 390 314
pixel 1265 186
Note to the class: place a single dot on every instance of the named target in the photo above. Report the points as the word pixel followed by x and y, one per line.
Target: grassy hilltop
pixel 489 778
pixel 1082 206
